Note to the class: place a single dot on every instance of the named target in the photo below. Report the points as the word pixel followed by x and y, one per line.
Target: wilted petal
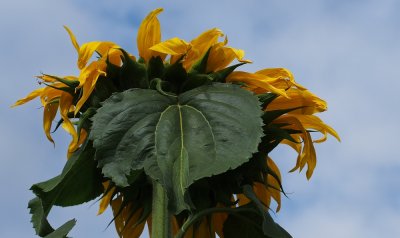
pixel 66 100
pixel 307 156
pixel 49 113
pixel 273 186
pixel 315 123
pixel 88 79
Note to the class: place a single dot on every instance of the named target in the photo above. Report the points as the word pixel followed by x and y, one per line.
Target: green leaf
pixel 79 182
pixel 39 217
pixel 177 140
pixel 63 230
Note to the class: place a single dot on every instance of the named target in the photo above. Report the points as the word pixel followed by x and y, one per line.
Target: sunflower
pixel 207 204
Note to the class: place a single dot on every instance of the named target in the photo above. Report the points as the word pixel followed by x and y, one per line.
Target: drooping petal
pixel 308 156
pixel 73 39
pixel 49 113
pixel 149 34
pixel 273 187
pixel 66 100
pixel 86 51
pixel 88 79
pixel 260 190
pixel 315 123
pixel 105 201
pixel 257 80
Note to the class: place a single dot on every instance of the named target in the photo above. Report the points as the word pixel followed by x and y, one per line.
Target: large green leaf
pixel 79 182
pixel 177 140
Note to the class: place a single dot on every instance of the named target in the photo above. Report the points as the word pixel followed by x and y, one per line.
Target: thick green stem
pixel 160 217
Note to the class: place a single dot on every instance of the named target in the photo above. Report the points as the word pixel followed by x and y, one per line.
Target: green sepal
pixel 194 81
pixel 84 120
pixel 200 66
pixel 69 83
pixel 162 86
pixel 269 116
pixel 64 89
pixel 266 99
pixel 220 76
pixel 155 68
pixel 132 73
pixel 175 74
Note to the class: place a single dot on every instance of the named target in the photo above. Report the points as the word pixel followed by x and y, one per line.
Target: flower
pixel 171 67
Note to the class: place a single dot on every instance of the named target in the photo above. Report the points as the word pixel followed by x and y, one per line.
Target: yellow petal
pixel 31 96
pixel 49 113
pixel 315 123
pixel 273 189
pixel 174 46
pixel 206 39
pixel 88 79
pixel 262 194
pixel 105 201
pixel 86 51
pixel 66 100
pixel 257 80
pixel 149 34
pixel 308 102
pixel 73 39
pixel 221 56
pixel 280 77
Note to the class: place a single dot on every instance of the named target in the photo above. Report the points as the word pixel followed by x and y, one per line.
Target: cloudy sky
pixel 347 52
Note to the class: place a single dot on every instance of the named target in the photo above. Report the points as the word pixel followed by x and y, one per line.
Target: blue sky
pixel 347 52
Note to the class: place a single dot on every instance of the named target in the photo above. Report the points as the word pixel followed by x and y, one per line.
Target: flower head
pixel 173 68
